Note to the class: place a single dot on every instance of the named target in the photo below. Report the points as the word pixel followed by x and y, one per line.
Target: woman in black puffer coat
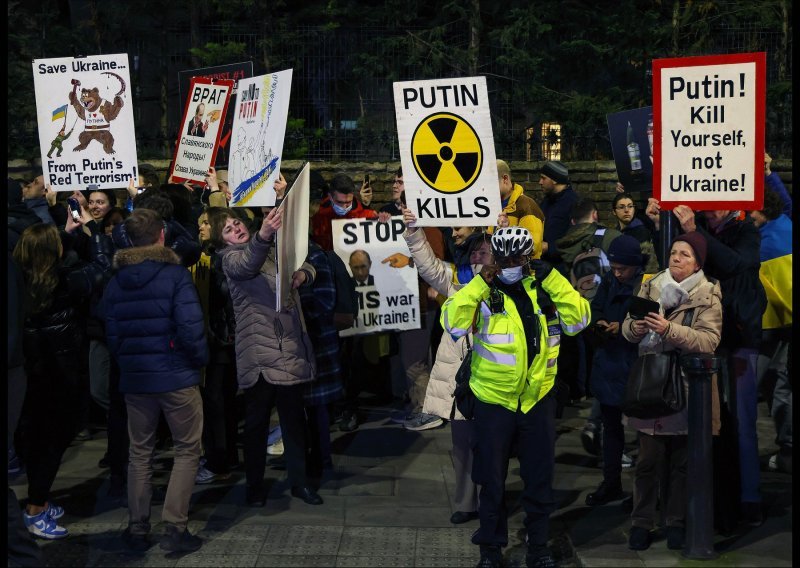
pixel 55 345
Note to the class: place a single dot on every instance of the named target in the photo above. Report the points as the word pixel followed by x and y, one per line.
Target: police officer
pixel 513 385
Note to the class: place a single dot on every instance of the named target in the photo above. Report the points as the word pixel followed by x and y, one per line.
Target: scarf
pixel 673 294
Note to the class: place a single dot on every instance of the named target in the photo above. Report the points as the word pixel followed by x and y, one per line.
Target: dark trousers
pixel 260 398
pixel 118 440
pixel 659 456
pixel 219 411
pixel 48 425
pixel 319 440
pixel 613 443
pixel 496 429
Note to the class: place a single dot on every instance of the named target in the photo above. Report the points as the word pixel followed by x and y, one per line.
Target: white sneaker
pixel 627 461
pixel 43 526
pixel 276 449
pixel 204 476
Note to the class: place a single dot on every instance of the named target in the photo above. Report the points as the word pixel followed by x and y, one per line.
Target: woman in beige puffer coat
pixel 444 278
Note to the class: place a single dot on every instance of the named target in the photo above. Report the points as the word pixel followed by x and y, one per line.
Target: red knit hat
pixel 698 244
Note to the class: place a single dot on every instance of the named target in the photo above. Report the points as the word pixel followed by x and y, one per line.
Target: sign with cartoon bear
pixel 198 138
pixel 384 274
pixel 85 116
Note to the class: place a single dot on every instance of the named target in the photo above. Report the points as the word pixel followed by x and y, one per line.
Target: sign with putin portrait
pixel 386 280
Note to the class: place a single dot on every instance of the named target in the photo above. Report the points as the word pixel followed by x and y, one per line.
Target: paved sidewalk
pixel 388 503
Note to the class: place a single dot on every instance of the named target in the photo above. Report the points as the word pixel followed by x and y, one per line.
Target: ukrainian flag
pixel 60 112
pixel 776 272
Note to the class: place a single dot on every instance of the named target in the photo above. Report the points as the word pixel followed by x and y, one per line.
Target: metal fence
pixel 340 111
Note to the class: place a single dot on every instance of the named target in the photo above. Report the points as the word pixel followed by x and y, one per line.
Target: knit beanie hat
pixel 698 244
pixel 626 250
pixel 556 171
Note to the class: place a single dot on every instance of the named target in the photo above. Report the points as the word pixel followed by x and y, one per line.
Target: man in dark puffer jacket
pixel 155 330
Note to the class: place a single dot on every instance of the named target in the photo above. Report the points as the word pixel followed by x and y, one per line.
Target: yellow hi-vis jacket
pixel 500 372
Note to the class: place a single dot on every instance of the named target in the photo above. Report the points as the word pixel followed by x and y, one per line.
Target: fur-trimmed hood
pixel 139 265
pixel 137 255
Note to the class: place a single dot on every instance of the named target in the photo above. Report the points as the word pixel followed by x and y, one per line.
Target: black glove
pixel 541 268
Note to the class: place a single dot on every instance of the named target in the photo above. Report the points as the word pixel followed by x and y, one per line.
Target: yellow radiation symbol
pixel 447 152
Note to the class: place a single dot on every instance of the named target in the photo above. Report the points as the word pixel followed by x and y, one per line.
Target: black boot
pixel 606 493
pixel 491 557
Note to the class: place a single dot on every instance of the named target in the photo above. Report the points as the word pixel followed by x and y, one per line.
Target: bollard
pixel 699 487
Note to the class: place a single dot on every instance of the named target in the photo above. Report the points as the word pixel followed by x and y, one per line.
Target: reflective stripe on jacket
pixel 500 374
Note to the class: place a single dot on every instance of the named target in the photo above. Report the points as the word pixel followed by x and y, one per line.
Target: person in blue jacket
pixel 155 331
pixel 613 357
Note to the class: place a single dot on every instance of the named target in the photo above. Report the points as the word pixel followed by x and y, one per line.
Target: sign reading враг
pixel 709 131
pixel 447 151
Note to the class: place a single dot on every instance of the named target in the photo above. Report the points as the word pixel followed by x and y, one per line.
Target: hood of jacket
pixel 137 266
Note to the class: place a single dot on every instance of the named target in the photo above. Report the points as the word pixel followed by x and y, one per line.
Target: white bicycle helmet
pixel 512 241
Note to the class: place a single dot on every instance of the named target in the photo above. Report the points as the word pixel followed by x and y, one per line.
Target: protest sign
pixel 293 234
pixel 259 126
pixel 231 71
pixel 379 262
pixel 447 151
pixel 85 118
pixel 198 140
pixel 709 131
pixel 631 135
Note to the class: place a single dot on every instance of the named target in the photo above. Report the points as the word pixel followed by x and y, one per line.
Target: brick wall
pixel 595 179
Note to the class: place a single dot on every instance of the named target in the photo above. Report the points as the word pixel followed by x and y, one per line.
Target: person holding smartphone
pixel 613 357
pixel 689 318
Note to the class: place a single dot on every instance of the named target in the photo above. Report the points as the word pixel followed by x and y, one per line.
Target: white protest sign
pixel 259 126
pixel 85 117
pixel 709 131
pixel 447 151
pixel 293 234
pixel 378 259
pixel 200 129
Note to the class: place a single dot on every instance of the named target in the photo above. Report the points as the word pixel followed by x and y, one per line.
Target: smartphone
pixel 74 208
pixel 640 307
pixel 366 180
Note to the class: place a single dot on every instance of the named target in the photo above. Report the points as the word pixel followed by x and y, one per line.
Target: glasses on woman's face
pixel 623 207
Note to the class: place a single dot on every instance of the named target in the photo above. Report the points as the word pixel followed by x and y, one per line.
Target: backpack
pixel 590 266
pixel 346 309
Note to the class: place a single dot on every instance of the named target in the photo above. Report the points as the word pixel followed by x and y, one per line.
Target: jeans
pixel 743 376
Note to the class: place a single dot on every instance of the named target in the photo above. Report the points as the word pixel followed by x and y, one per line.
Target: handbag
pixel 655 384
pixel 463 395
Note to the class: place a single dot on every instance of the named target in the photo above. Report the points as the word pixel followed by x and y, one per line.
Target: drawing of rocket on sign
pixel 245 190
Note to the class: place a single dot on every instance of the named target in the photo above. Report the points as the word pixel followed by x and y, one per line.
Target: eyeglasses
pixel 623 207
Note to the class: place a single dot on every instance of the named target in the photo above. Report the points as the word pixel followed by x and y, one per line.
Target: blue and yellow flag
pixel 60 112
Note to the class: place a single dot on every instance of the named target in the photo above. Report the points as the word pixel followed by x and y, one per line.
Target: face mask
pixel 510 275
pixel 341 210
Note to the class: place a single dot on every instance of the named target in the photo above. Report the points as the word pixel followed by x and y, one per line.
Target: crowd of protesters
pixel 159 314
